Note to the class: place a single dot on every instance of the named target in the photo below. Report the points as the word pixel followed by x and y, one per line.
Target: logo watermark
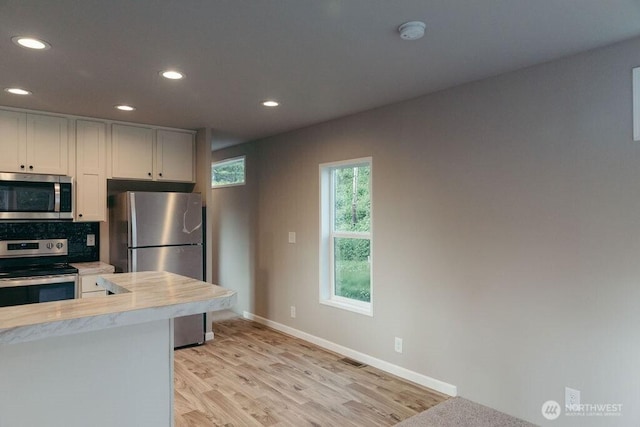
pixel 594 410
pixel 551 409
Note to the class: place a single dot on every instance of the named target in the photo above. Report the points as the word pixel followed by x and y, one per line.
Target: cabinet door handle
pixel 21 166
pixel 160 174
pixel 149 174
pixel 31 167
pixel 80 215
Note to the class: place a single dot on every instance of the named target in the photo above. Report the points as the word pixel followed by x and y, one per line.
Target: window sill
pixel 235 184
pixel 364 308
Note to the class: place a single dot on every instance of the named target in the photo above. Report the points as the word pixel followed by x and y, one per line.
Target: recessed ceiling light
pixel 270 103
pixel 17 91
pixel 172 74
pixel 125 107
pixel 31 43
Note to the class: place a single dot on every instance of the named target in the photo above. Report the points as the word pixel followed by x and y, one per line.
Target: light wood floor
pixel 251 375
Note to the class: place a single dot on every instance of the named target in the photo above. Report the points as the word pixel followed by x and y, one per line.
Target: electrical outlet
pixel 398 345
pixel 293 311
pixel 571 399
pixel 91 239
pixel 292 237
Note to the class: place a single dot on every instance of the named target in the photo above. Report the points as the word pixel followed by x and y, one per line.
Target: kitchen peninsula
pixel 99 361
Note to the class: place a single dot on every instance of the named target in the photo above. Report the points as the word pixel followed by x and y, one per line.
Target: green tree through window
pixel 351 232
pixel 228 172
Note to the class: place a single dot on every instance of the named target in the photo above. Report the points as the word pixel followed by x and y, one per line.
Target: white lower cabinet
pixel 88 273
pixel 89 287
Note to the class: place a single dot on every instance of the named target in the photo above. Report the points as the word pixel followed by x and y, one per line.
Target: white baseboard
pixel 208 336
pixel 396 370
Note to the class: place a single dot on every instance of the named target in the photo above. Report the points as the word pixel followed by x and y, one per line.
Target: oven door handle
pixel 39 280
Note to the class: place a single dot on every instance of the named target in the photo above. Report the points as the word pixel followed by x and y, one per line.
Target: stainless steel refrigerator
pixel 152 231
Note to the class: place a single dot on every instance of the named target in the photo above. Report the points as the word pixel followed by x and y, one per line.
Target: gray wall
pixel 233 212
pixel 506 235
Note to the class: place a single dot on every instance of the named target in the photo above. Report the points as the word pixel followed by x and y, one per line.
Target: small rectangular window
pixel 346 235
pixel 228 172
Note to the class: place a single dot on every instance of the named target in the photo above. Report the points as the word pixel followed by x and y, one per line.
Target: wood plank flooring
pixel 251 375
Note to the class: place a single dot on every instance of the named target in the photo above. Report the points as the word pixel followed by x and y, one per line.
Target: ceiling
pixel 321 59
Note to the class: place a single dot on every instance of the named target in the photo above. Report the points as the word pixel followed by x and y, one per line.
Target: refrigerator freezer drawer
pixel 188 330
pixel 183 260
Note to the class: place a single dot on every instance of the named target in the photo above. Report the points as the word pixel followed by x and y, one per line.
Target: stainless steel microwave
pixel 35 197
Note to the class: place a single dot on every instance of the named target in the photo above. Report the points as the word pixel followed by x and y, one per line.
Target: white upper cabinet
pixel 91 171
pixel 132 152
pixel 135 154
pixel 31 142
pixel 47 144
pixel 34 143
pixel 13 141
pixel 175 155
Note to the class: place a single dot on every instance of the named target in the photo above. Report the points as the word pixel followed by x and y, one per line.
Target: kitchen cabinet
pixel 13 140
pixel 33 143
pixel 108 362
pixel 132 152
pixel 175 156
pixel 91 171
pixel 135 154
pixel 47 144
pixel 89 287
pixel 88 273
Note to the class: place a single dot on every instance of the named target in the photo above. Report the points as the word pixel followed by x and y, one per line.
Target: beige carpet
pixel 459 412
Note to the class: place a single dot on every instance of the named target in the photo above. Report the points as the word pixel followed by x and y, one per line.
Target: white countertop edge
pixel 93 268
pixel 112 320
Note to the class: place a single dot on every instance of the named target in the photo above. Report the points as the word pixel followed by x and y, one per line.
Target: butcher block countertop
pixel 139 297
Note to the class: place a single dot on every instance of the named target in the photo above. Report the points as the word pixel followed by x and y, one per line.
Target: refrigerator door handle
pixel 133 260
pixel 134 220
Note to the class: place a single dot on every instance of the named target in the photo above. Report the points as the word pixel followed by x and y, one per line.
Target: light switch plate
pixel 91 239
pixel 571 398
pixel 292 237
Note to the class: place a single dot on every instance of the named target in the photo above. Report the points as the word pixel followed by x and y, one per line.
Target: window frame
pixel 230 160
pixel 328 236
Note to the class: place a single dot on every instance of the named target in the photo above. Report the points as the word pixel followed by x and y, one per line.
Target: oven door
pixel 30 290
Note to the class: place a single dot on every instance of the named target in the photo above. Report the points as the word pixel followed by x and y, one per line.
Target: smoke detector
pixel 413 30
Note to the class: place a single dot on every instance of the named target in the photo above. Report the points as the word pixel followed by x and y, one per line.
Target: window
pixel 227 172
pixel 346 235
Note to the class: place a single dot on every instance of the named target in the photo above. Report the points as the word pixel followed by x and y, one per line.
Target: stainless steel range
pixel 34 271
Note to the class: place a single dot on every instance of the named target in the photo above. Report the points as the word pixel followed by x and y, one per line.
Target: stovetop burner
pixel 36 271
pixel 31 258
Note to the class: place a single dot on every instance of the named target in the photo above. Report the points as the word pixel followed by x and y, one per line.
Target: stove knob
pixel 49 245
pixel 59 245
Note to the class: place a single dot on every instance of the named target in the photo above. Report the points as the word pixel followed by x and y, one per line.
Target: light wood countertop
pixel 139 297
pixel 94 267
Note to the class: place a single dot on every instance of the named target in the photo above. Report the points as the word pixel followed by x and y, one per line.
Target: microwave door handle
pixel 56 197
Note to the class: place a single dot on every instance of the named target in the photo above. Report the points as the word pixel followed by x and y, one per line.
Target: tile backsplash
pixel 75 232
